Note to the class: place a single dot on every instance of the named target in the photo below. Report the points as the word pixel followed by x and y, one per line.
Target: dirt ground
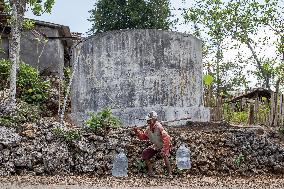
pixel 87 182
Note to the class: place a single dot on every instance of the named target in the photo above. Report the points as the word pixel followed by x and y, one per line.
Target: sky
pixel 74 13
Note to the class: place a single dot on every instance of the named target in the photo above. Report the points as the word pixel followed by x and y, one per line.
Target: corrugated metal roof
pixel 258 92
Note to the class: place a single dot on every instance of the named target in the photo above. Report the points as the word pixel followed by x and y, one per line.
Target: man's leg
pixel 168 165
pixel 150 167
pixel 147 154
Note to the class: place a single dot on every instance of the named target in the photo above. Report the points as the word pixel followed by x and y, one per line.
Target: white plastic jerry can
pixel 183 157
pixel 120 165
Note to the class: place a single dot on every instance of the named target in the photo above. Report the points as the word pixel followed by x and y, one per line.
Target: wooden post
pixel 268 113
pixel 256 110
pixel 276 117
pixel 272 109
pixel 219 108
pixel 241 105
pixel 251 114
pixel 222 109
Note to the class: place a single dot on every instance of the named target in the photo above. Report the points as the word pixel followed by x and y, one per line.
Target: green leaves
pixel 39 7
pixel 68 135
pixel 208 79
pixel 48 4
pixel 5 66
pixel 130 14
pixel 239 160
pixel 31 88
pixel 28 24
pixel 217 20
pixel 102 121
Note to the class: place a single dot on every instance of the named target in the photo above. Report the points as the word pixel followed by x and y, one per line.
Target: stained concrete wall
pixel 136 71
pixel 51 54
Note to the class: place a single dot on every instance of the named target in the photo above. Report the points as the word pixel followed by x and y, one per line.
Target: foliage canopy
pixel 130 14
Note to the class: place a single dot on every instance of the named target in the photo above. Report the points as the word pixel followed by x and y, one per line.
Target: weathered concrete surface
pixel 51 53
pixel 136 71
pixel 47 57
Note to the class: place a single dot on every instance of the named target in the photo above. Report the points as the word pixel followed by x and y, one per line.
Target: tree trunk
pixel 258 63
pixel 18 9
pixel 218 70
pixel 218 60
pixel 282 46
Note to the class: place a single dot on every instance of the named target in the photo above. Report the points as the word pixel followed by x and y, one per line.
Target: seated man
pixel 160 139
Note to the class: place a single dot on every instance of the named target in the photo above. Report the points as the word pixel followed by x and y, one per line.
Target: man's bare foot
pixel 170 176
pixel 151 174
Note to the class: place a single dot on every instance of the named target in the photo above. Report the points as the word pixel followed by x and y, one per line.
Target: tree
pixel 207 18
pixel 17 9
pixel 241 21
pixel 274 19
pixel 242 24
pixel 129 14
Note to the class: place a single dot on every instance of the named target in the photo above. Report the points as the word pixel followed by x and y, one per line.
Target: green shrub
pixel 141 166
pixel 68 135
pixel 263 112
pixel 30 87
pixel 102 121
pixel 67 74
pixel 5 67
pixel 228 114
pixel 235 117
pixel 23 113
pixel 239 117
pixel 239 160
pixel 281 130
pixel 72 135
pixel 57 131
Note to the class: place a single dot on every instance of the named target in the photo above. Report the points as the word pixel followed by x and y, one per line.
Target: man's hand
pixel 164 153
pixel 135 129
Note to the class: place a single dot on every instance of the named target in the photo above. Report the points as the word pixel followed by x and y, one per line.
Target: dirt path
pixel 194 182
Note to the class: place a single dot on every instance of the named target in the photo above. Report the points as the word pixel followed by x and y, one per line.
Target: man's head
pixel 151 117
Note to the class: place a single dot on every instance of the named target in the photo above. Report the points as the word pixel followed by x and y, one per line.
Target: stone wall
pixel 136 71
pixel 215 150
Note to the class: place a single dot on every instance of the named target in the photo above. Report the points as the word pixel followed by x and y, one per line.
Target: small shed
pixel 253 94
pixel 254 98
pixel 46 47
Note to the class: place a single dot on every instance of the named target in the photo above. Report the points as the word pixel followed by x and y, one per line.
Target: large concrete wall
pixel 136 71
pixel 51 54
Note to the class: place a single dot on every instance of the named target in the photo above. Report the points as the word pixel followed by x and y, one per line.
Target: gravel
pixel 30 182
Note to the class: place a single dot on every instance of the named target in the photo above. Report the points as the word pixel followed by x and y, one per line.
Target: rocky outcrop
pixel 216 149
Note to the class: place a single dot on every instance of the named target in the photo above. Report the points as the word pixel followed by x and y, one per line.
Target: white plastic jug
pixel 120 165
pixel 183 157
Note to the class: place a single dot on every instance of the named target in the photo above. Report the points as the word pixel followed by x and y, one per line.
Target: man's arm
pixel 140 134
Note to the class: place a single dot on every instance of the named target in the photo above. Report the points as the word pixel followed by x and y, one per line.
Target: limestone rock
pixel 9 137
